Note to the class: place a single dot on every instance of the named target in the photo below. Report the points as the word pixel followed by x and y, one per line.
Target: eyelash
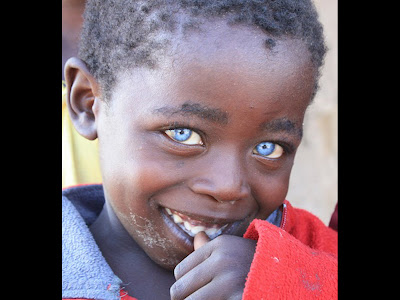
pixel 287 147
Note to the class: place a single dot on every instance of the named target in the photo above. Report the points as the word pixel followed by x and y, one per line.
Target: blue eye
pixel 268 149
pixel 265 148
pixel 184 136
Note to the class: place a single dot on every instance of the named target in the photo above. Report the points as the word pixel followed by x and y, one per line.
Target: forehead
pixel 223 64
pixel 216 41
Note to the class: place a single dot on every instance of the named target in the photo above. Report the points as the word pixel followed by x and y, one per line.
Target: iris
pixel 182 134
pixel 265 148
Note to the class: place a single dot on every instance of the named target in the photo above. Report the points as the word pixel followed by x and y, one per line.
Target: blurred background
pixel 72 11
pixel 314 183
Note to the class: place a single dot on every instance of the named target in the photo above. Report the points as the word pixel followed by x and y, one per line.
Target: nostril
pixel 232 202
pixel 220 191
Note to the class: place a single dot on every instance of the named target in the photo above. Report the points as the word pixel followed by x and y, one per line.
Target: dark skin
pixel 232 94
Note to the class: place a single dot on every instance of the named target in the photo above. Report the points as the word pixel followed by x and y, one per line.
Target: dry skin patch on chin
pixel 152 238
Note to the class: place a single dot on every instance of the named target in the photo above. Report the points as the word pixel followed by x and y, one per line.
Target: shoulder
pixel 310 230
pixel 85 272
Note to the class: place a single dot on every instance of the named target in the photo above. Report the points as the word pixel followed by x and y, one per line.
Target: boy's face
pixel 204 142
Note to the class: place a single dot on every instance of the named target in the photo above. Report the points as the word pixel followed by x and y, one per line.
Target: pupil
pixel 265 148
pixel 182 134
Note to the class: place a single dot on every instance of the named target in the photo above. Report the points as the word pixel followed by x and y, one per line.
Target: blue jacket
pixel 85 272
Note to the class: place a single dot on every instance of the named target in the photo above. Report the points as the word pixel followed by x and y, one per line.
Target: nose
pixel 223 177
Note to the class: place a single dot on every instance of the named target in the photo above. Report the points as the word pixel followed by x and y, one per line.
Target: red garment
pixel 296 261
pixel 124 296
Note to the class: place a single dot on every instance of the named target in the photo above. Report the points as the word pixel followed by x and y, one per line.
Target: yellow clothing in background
pixel 80 161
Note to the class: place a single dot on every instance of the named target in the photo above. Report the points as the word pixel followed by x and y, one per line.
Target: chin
pixel 168 259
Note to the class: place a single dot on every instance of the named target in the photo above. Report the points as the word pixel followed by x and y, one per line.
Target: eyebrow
pixel 188 108
pixel 283 124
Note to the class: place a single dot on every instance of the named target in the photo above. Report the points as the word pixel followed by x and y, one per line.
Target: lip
pixel 227 226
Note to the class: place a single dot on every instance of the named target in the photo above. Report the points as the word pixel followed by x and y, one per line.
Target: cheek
pixel 135 178
pixel 270 193
pixel 130 187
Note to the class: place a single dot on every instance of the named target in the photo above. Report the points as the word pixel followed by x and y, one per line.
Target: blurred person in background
pixel 72 11
pixel 79 155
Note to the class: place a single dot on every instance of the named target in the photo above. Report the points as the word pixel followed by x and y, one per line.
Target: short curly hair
pixel 121 34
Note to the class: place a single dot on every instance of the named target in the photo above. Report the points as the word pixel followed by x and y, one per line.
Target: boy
pixel 198 109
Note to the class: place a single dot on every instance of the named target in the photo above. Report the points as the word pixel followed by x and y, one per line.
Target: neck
pixel 127 260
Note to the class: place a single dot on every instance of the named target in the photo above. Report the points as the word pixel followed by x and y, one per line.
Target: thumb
pixel 200 239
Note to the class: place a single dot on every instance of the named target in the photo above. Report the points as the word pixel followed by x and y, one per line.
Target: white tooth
pixel 197 229
pixel 223 227
pixel 177 219
pixel 168 211
pixel 187 225
pixel 211 231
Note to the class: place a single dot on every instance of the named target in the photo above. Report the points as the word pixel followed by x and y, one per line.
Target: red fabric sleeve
pixel 297 263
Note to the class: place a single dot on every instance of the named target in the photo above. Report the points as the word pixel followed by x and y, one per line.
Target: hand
pixel 217 269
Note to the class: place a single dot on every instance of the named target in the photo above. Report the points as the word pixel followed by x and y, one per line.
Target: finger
pixel 192 281
pixel 218 288
pixel 200 239
pixel 192 260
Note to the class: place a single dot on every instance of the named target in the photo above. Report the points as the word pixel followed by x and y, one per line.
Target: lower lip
pixel 232 229
pixel 186 241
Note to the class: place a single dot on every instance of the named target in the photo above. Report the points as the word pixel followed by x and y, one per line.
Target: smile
pixel 192 226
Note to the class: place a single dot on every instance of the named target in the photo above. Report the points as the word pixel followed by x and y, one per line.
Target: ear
pixel 82 93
